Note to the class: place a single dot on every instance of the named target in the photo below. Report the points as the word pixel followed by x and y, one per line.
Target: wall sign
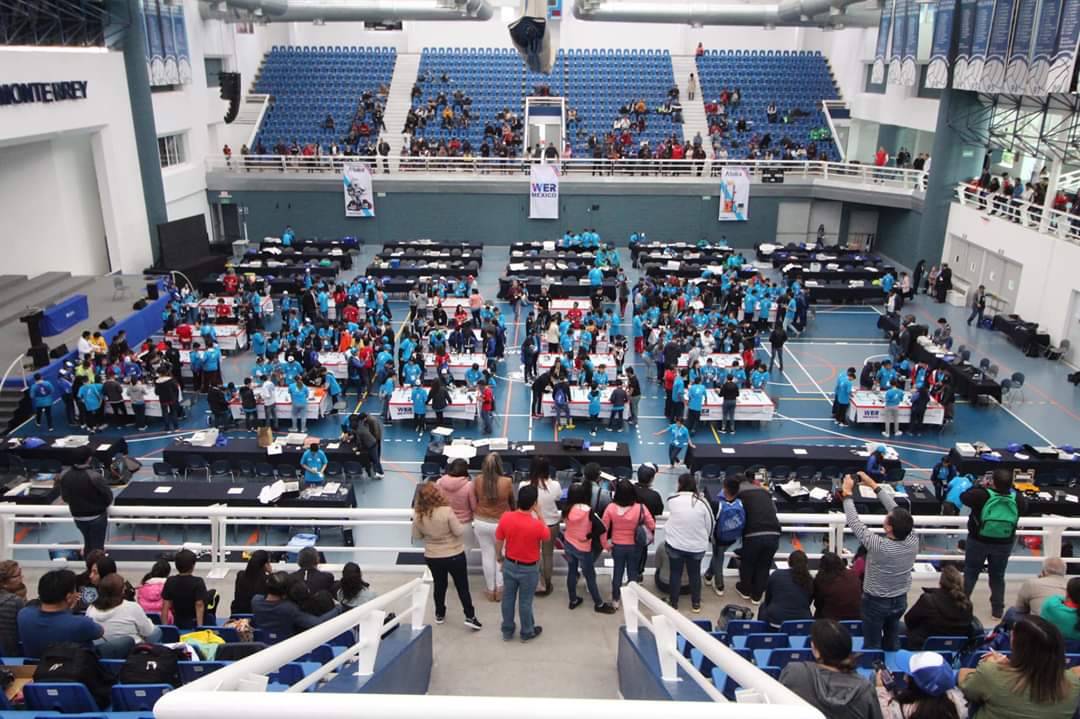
pixel 23 93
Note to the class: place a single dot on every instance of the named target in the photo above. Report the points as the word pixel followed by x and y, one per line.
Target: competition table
pixel 248 450
pixel 423 269
pixel 238 494
pixel 20 491
pixel 462 405
pixel 103 449
pixel 318 405
pixel 559 456
pixel 563 269
pixel 414 255
pixel 342 257
pixel 836 292
pixel 547 360
pixel 838 274
pixel 432 245
pixel 841 459
pixel 689 254
pixel 265 269
pixel 558 287
pixel 781 254
pixel 563 306
pixel 209 304
pixel 690 270
pixel 550 246
pixel 753 405
pixel 867 407
pixel 719 359
pixel 587 259
pixel 1024 335
pixel 918 499
pixel 639 248
pixel 1045 468
pixel 230 338
pixel 321 243
pixel 459 364
pixel 967 379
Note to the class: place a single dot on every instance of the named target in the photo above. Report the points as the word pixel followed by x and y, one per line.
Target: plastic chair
pixel 164 470
pixel 137 697
pixel 782 657
pixel 170 634
pixel 64 697
pixel 743 627
pixel 264 470
pixel 190 671
pixel 1018 384
pixel 944 644
pixel 221 468
pixel 261 635
pixel 285 471
pixel 197 463
pixel 854 626
pixel 796 627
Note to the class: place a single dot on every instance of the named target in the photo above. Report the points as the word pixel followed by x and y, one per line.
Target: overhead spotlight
pixel 258 12
pixel 318 21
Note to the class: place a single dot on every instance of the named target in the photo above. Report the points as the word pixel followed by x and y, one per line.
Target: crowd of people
pixel 728 129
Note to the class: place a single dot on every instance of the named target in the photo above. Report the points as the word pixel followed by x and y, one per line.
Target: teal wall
pixel 898 238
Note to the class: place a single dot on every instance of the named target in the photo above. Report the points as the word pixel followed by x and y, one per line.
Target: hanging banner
pixel 544 192
pixel 183 54
pixel 899 33
pixel 359 201
pixel 1060 76
pixel 1045 44
pixel 909 69
pixel 980 41
pixel 997 51
pixel 937 71
pixel 155 52
pixel 877 74
pixel 734 194
pixel 168 44
pixel 965 34
pixel 1016 69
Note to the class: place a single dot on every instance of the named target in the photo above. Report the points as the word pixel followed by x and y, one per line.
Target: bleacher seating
pixel 789 78
pixel 309 83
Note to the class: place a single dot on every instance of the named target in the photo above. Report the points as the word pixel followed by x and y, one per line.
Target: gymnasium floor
pixel 837 337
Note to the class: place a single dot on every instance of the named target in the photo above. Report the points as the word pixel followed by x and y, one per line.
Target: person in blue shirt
pixel 298 396
pixel 386 391
pixel 759 377
pixel 875 464
pixel 600 376
pixel 678 394
pixel 92 396
pixel 842 396
pixel 419 398
pixel 473 375
pixel 594 409
pixel 952 504
pixel 211 366
pixel 695 400
pixel 887 282
pixel 679 441
pixel 64 385
pixel 789 317
pixel 411 373
pixel 940 476
pixel 737 374
pixel 288 236
pixel 596 277
pixel 258 344
pixel 313 462
pixel 333 388
pixel 384 362
pixel 886 375
pixel 749 306
pixel 209 334
pixel 893 397
pixel 41 395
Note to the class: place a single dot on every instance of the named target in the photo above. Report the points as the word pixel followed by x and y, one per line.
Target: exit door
pixel 228 223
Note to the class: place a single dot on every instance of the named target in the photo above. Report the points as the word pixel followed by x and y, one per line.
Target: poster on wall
pixel 937 71
pixel 734 194
pixel 1016 69
pixel 155 57
pixel 1060 76
pixel 544 192
pixel 965 31
pixel 1045 43
pixel 168 44
pixel 877 74
pixel 359 200
pixel 183 54
pixel 980 42
pixel 909 69
pixel 993 74
pixel 899 33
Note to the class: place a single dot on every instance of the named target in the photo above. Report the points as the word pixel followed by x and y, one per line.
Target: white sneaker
pixel 899 433
pixel 884 434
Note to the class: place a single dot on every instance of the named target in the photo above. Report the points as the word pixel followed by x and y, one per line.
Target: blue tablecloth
pixel 64 315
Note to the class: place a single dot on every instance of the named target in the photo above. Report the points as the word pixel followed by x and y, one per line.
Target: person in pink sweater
pixel 148 595
pixel 458 489
pixel 577 544
pixel 622 518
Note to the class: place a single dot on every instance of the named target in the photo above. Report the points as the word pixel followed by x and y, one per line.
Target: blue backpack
pixel 730 521
pixel 559 396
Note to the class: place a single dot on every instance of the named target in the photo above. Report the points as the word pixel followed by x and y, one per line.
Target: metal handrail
pixel 1053 223
pixel 7 373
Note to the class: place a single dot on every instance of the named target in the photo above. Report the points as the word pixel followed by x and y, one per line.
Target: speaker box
pixel 230 90
pixel 107 324
pixel 40 355
pixel 58 352
pixel 139 305
pixel 152 290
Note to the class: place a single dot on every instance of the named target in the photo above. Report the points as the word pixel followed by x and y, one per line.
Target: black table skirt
pixel 1045 468
pixel 37 495
pixel 317 243
pixel 248 450
pixel 194 493
pixel 779 258
pixel 645 248
pixel 1024 335
pixel 400 285
pixel 838 276
pixel 968 381
pixel 344 259
pixel 291 270
pixel 542 271
pixel 558 457
pixel 456 269
pixel 690 271
pixel 539 247
pixel 556 289
pixel 439 256
pixel 410 244
pixel 68 456
pixel 699 257
pixel 782 455
pixel 844 293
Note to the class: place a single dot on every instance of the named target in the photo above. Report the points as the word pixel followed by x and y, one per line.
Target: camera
pixel 533 37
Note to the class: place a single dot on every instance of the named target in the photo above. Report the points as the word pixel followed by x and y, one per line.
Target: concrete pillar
pixel 1051 193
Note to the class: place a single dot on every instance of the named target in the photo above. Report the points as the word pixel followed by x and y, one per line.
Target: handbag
pixel 642 536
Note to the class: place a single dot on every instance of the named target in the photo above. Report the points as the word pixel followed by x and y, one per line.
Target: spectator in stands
pixel 995 510
pixel 699 50
pixel 328 123
pixel 888 567
pixel 837 590
pixel 275 613
pixel 930 691
pixel 148 595
pixel 87 495
pixel 518 537
pixel 12 600
pixel 353 590
pixel 691 87
pixel 548 493
pixel 1034 592
pixel 184 595
pixel 687 535
pixel 760 540
pixel 309 572
pixel 622 518
pixel 50 619
pixel 771 113
pixel 119 617
pixel 495 496
pixel 1031 681
pixel 830 683
pixel 942 611
pixel 435 522
pixel 583 539
pixel 788 592
pixel 250 581
pixel 1061 611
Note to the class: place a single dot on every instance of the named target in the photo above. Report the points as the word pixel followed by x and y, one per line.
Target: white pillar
pixel 1051 192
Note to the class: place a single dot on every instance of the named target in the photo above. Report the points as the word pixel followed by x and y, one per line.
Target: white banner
pixel 359 201
pixel 544 193
pixel 735 194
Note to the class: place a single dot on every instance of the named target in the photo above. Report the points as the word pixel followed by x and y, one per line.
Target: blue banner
pixel 1045 44
pixel 153 38
pixel 877 74
pixel 1016 69
pixel 899 33
pixel 183 54
pixel 908 68
pixel 172 77
pixel 937 71
pixel 980 41
pixel 993 74
pixel 965 34
pixel 1059 78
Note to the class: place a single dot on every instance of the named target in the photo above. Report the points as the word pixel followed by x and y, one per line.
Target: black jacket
pixel 651 499
pixel 976 498
pixel 935 614
pixel 315 579
pixel 760 510
pixel 85 492
pixel 777 337
pixel 167 390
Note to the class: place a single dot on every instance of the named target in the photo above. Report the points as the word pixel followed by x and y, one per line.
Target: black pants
pixel 777 357
pixel 755 563
pixel 456 568
pixel 537 402
pixel 43 413
pixel 840 412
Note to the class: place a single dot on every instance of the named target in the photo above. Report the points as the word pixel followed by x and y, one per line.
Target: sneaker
pixel 741 593
pixel 575 603
pixel 884 434
pixel 440 618
pixel 570 426
pixel 696 609
pixel 899 433
pixel 534 635
pixel 473 623
pixel 616 603
pixel 718 590
pixel 604 608
pixel 756 602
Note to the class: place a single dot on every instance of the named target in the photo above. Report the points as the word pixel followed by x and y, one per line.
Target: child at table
pixel 594 408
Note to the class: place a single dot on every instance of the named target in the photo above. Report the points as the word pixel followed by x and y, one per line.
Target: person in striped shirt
pixel 889 560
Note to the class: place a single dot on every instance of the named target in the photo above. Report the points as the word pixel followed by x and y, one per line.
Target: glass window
pixel 171 150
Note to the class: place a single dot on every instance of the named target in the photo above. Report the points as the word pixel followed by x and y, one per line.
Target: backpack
pixel 733 612
pixel 999 516
pixel 730 521
pixel 152 664
pixel 559 396
pixel 71 662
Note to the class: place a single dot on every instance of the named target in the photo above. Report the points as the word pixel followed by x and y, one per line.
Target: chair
pixel 245 468
pixel 164 470
pixel 743 627
pixel 1058 353
pixel 1018 384
pixel 944 644
pixel 796 627
pixel 170 634
pixel 288 674
pixel 430 471
pixel 137 697
pixel 190 671
pixel 334 470
pixel 984 364
pixel 64 697
pixel 868 658
pixel 197 463
pixel 782 657
pixel 1006 391
pixel 229 634
pixel 710 472
pixel 993 371
pixel 221 468
pixel 264 470
pixel 261 635
pixel 285 471
pixel 854 626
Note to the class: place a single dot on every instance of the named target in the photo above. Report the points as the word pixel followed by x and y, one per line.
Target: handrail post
pixel 664 633
pixel 1052 538
pixel 835 536
pixel 630 607
pixel 420 595
pixel 218 533
pixel 370 631
pixel 7 533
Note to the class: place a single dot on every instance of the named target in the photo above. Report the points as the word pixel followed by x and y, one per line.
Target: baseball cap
pixel 930 673
pixel 881 448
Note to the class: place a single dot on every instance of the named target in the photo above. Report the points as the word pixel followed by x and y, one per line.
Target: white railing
pixel 263 101
pixel 18 361
pixel 1055 223
pixel 667 623
pixel 629 169
pixel 828 106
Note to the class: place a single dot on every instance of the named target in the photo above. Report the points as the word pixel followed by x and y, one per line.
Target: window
pixel 171 150
pixel 214 67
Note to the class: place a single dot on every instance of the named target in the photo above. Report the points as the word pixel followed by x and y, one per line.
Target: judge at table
pixel 875 464
pixel 313 462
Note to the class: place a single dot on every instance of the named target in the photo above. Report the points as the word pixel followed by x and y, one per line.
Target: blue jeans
pixel 376 457
pixel 299 414
pixel 716 564
pixel 881 621
pixel 692 561
pixel 519 586
pixel 976 555
pixel 575 559
pixel 115 648
pixel 94 532
pixel 627 559
pixel 486 416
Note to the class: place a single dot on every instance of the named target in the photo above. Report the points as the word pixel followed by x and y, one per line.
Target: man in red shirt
pixel 487 407
pixel 230 282
pixel 517 538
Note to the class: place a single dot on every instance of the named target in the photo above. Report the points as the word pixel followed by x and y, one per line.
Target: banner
pixel 899 33
pixel 183 54
pixel 359 201
pixel 980 42
pixel 937 71
pixel 155 57
pixel 909 70
pixel 1059 78
pixel 544 192
pixel 1016 69
pixel 1045 44
pixel 168 43
pixel 734 194
pixel 964 37
pixel 993 74
pixel 877 74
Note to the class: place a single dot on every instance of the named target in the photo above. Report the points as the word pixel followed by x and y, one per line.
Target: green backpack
pixel 999 516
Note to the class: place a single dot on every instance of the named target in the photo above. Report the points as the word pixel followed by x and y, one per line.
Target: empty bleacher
pixel 791 79
pixel 309 83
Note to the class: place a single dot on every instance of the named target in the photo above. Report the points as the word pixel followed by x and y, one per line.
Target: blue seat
pixel 796 627
pixel 170 634
pixel 944 644
pixel 784 656
pixel 65 697
pixel 190 671
pixel 137 697
pixel 739 627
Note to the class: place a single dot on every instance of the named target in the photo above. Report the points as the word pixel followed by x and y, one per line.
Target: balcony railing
pixel 1056 223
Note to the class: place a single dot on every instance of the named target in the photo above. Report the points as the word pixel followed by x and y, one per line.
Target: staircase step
pixel 58 287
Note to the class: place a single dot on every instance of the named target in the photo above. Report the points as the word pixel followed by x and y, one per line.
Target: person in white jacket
pixel 686 537
pixel 120 617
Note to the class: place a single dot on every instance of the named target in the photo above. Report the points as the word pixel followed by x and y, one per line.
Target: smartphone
pixel 887 679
